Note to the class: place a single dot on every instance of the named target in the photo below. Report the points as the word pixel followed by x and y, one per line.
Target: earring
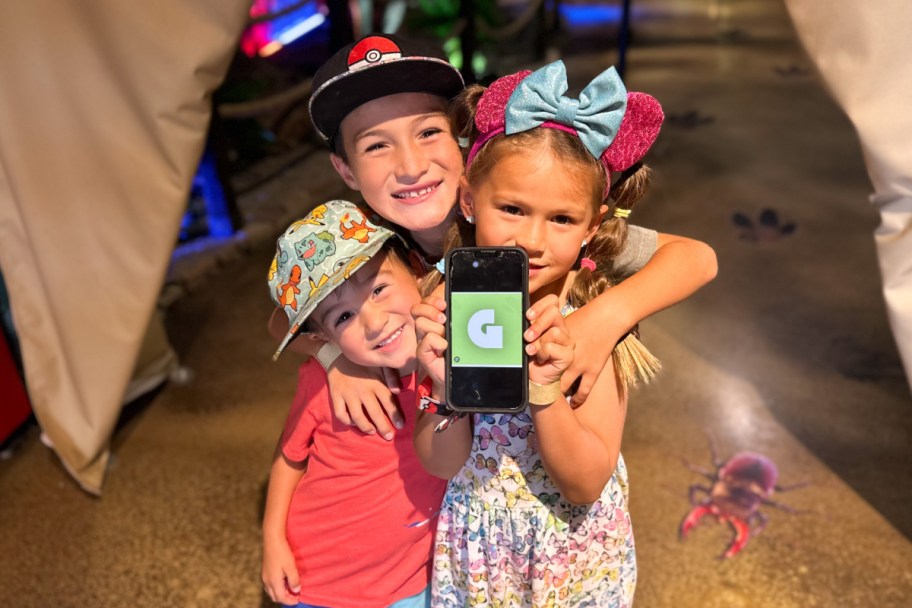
pixel 470 219
pixel 584 244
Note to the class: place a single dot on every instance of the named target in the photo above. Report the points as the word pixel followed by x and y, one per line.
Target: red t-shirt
pixel 362 519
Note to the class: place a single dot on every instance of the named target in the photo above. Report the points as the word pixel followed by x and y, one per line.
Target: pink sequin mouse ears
pixel 616 126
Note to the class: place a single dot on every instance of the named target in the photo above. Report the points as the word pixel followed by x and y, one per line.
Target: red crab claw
pixel 693 518
pixel 742 535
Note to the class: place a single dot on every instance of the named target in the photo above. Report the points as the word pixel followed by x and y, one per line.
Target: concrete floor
pixel 788 353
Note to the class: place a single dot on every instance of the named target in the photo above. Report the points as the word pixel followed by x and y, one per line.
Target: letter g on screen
pixel 482 331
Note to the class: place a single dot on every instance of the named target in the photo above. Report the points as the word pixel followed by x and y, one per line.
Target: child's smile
pixel 391 343
pixel 418 194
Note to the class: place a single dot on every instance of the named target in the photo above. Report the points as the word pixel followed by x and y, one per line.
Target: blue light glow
pixel 590 14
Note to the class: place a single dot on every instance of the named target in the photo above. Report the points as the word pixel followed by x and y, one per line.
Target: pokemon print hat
pixel 374 67
pixel 317 253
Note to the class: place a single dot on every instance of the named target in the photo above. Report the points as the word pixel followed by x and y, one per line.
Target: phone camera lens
pixel 475 264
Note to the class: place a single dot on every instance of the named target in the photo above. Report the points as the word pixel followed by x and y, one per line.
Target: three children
pixel 382 106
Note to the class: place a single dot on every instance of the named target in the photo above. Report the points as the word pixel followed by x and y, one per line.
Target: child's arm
pixel 678 268
pixel 579 447
pixel 360 396
pixel 280 574
pixel 442 454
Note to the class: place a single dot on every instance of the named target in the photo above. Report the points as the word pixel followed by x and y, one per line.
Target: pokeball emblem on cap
pixel 371 50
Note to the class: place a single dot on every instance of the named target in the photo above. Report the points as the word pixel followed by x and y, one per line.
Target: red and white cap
pixel 373 67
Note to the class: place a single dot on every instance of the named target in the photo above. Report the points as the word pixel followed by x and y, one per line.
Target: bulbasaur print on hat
pixel 317 253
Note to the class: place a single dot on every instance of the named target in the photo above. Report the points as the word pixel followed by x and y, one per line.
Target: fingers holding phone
pixel 551 354
pixel 550 346
pixel 429 315
pixel 431 352
pixel 541 316
pixel 429 328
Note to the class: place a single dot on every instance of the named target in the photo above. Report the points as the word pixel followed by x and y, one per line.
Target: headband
pixel 615 126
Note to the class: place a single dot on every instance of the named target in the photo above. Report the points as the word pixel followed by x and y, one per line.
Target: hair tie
pixel 588 264
pixel 622 213
pixel 441 266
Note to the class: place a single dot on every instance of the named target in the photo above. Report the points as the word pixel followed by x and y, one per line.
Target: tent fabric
pixel 104 107
pixel 862 52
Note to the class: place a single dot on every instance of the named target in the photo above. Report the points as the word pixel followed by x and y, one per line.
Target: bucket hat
pixel 318 253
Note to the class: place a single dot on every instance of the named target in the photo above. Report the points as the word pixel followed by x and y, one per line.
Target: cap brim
pixel 339 96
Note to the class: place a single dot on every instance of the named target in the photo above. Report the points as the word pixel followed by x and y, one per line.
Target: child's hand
pixel 550 346
pixel 280 574
pixel 364 397
pixel 598 346
pixel 429 319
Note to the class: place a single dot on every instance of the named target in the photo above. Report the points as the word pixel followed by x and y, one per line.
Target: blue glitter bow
pixel 596 115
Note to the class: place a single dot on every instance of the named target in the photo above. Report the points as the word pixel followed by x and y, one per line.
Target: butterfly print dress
pixel 506 537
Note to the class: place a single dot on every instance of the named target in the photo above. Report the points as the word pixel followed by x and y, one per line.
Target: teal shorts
pixel 419 600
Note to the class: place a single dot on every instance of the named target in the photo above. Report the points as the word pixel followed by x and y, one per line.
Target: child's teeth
pixel 417 193
pixel 390 339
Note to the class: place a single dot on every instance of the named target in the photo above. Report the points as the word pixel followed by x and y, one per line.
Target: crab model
pixel 739 487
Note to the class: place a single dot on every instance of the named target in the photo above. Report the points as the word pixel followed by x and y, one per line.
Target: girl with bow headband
pixel 537 177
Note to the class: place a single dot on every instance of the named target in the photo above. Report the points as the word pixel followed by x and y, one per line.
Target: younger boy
pixel 355 528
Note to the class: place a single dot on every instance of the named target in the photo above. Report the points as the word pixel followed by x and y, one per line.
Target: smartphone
pixel 487 293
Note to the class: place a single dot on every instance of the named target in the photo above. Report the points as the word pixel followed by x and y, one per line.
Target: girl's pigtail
pixel 630 187
pixel 633 362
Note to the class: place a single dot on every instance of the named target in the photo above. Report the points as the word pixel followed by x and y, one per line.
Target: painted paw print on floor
pixel 767 228
pixel 689 120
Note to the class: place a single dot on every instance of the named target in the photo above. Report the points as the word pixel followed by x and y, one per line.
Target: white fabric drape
pixel 862 49
pixel 104 107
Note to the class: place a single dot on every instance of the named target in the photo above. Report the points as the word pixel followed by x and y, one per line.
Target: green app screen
pixel 486 329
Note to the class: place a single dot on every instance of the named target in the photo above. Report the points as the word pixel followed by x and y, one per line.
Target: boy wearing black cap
pixel 381 105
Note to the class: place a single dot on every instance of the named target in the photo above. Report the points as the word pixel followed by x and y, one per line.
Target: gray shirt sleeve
pixel 641 245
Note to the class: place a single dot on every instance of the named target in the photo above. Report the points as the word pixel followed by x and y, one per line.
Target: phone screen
pixel 487 296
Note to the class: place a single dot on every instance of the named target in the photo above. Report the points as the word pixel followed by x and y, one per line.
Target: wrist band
pixel 428 404
pixel 544 394
pixel 432 406
pixel 327 354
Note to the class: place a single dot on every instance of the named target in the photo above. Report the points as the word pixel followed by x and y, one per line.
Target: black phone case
pixel 524 389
